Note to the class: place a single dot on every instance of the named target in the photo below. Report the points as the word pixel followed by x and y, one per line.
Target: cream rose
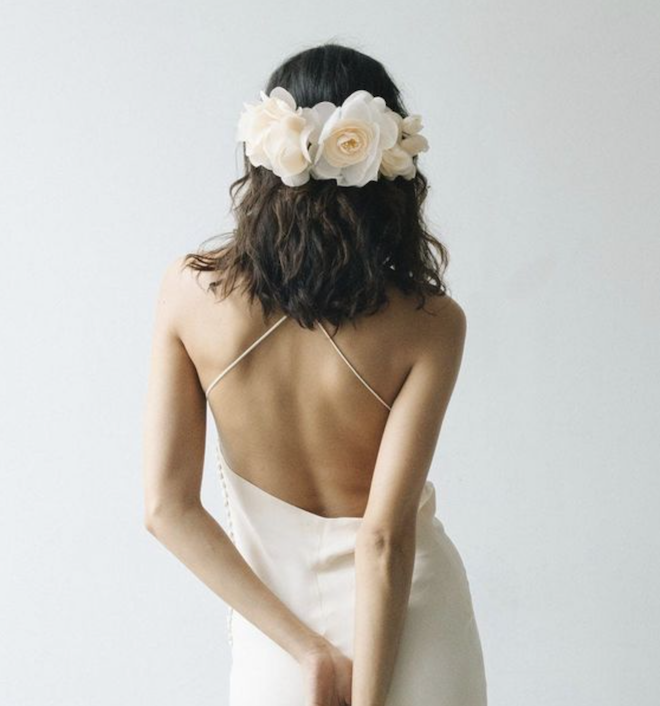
pixel 398 160
pixel 411 141
pixel 411 124
pixel 276 136
pixel 350 143
pixel 352 139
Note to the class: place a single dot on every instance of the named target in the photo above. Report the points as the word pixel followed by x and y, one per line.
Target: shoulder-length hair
pixel 323 251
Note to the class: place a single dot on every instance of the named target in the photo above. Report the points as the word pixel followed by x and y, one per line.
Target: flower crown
pixel 351 143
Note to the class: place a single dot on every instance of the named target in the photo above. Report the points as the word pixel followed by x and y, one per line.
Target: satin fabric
pixel 309 562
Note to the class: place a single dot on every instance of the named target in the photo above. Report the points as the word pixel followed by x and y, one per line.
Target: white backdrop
pixel 117 149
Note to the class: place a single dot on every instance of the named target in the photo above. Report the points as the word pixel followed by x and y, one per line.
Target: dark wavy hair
pixel 323 251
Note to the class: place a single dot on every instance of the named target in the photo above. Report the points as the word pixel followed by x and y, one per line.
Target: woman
pixel 323 341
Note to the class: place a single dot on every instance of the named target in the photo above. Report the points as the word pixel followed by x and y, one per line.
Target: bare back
pixel 301 412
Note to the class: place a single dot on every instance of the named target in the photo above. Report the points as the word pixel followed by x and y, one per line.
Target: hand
pixel 327 675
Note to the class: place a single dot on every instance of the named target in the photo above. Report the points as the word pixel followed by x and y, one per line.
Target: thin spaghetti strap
pixel 219 377
pixel 348 362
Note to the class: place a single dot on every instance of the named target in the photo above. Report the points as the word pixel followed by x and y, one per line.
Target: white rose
pixel 350 143
pixel 285 146
pixel 411 124
pixel 397 162
pixel 410 140
pixel 352 139
pixel 414 144
pixel 276 134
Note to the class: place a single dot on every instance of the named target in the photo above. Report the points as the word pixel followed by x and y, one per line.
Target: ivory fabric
pixel 309 561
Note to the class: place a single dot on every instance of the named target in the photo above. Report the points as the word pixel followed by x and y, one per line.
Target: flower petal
pixel 282 94
pixel 357 97
pixel 322 169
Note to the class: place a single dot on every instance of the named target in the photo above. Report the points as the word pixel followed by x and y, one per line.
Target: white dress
pixel 307 560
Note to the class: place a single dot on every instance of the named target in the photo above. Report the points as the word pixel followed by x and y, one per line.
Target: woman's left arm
pixel 174 441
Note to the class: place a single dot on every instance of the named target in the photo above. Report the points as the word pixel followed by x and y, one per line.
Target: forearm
pixel 198 541
pixel 383 581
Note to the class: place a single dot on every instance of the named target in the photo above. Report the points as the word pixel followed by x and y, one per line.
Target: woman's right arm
pixel 385 545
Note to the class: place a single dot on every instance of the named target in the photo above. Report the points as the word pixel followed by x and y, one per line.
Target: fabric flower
pixel 398 160
pixel 352 139
pixel 276 136
pixel 350 143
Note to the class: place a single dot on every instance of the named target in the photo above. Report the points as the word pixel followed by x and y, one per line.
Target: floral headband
pixel 351 143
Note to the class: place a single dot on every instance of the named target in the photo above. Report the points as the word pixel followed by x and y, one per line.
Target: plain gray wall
pixel 117 142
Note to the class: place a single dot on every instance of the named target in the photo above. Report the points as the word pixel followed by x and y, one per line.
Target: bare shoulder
pixel 180 287
pixel 440 345
pixel 440 324
pixel 446 316
pixel 179 278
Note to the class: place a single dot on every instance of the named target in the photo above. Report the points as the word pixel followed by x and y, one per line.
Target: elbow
pixel 152 513
pixel 150 523
pixel 385 541
pixel 152 520
pixel 384 554
pixel 159 514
